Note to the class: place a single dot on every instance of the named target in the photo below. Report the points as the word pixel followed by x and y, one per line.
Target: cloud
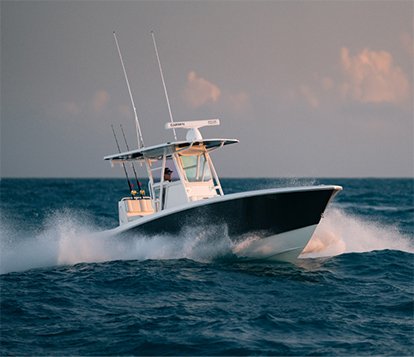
pixel 309 95
pixel 327 83
pixel 100 101
pixel 372 77
pixel 125 111
pixel 407 43
pixel 316 92
pixel 199 91
pixel 238 102
pixel 71 108
pixel 94 105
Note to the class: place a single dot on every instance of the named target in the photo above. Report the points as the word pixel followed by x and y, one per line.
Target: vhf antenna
pixel 163 83
pixel 138 127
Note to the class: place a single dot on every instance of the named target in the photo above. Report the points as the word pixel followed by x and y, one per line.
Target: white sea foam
pixel 68 239
pixel 340 232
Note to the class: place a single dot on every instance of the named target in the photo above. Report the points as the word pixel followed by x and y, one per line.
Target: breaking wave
pixel 68 239
pixel 340 232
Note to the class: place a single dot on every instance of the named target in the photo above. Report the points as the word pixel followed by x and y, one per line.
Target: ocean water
pixel 67 289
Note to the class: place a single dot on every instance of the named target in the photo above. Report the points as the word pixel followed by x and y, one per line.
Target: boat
pixel 271 224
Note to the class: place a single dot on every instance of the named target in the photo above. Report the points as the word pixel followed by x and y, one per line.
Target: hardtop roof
pixel 156 152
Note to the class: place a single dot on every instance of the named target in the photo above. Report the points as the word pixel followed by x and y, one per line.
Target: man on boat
pixel 167 174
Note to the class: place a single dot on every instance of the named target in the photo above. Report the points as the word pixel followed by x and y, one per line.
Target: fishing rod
pixel 132 164
pixel 131 189
pixel 138 127
pixel 163 83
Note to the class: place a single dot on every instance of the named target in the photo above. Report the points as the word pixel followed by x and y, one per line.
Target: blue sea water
pixel 66 289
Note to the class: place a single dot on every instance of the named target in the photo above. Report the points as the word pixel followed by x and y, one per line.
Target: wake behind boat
pixel 276 223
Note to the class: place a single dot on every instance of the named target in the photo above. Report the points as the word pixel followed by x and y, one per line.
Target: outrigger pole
pixel 163 83
pixel 132 163
pixel 123 164
pixel 138 127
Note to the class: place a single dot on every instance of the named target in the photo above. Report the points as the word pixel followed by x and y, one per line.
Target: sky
pixel 310 88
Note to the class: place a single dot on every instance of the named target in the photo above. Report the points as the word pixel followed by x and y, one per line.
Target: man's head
pixel 167 174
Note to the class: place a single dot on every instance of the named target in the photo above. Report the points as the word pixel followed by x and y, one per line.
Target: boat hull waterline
pixel 273 224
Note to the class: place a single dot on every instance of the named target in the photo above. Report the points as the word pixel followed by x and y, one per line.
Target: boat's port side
pixel 261 213
pixel 132 208
pixel 278 223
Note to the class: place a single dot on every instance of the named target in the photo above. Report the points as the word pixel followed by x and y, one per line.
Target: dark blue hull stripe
pixel 264 215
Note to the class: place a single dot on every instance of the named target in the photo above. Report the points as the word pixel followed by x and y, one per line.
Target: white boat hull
pixel 280 247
